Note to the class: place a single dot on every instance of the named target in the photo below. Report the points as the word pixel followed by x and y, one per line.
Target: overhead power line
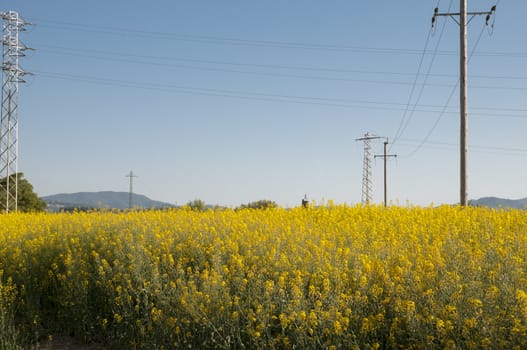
pixel 209 39
pixel 269 97
pixel 365 81
pixel 260 73
pixel 474 148
pixel 404 120
pixel 447 103
pixel 153 60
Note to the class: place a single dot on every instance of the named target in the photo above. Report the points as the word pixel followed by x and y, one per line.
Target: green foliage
pixel 197 205
pixel 28 200
pixel 261 204
pixel 8 333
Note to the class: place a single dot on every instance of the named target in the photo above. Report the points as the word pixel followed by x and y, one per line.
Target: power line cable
pixel 440 116
pixel 248 42
pixel 213 69
pixel 60 50
pixel 442 143
pixel 215 39
pixel 479 148
pixel 57 50
pixel 206 91
pixel 401 123
pixel 404 124
pixel 297 76
pixel 218 92
pixel 248 95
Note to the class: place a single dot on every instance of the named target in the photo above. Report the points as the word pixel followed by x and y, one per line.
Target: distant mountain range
pixel 494 202
pixel 105 199
pixel 119 200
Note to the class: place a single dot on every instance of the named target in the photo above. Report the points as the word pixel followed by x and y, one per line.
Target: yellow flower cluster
pixel 326 277
pixel 8 297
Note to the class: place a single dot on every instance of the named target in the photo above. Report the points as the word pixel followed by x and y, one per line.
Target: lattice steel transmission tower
pixel 366 168
pixel 12 50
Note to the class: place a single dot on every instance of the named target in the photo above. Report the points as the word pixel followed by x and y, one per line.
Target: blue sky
pixel 235 101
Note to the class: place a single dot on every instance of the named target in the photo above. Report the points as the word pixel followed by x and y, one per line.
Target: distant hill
pixel 494 202
pixel 105 199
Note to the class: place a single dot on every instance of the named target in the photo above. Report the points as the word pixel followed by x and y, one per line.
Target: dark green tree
pixel 261 204
pixel 28 200
pixel 197 205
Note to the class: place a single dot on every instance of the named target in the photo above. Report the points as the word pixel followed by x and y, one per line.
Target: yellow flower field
pixel 333 277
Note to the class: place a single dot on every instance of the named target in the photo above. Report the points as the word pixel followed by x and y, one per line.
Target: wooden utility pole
pixel 463 148
pixel 386 156
pixel 463 89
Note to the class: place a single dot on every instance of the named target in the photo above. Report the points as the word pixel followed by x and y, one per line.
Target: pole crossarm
pixel 385 155
pixel 369 137
pixel 455 15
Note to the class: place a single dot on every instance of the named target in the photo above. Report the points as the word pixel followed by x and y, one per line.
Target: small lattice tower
pixel 366 168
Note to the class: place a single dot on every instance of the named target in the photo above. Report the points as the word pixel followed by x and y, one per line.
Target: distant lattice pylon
pixel 366 168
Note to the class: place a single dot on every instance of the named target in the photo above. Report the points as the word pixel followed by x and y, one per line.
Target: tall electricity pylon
pixel 366 168
pixel 12 74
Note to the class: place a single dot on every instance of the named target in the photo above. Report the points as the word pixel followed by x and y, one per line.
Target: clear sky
pixel 235 101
